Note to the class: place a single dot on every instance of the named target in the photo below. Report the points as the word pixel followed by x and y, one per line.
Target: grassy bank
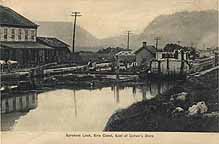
pixel 158 114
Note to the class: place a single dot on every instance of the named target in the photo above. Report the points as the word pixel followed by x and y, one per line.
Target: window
pixel 176 55
pixel 19 34
pixel 5 33
pixel 26 35
pixel 32 34
pixel 12 33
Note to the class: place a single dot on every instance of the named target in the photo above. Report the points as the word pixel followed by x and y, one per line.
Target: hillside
pixel 197 27
pixel 200 28
pixel 63 31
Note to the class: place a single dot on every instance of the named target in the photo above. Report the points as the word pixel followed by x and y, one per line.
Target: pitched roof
pixel 149 48
pixel 9 17
pixel 24 45
pixel 124 53
pixel 52 42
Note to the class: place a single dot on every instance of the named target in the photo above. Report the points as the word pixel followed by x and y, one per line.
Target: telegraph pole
pixel 128 40
pixel 157 42
pixel 75 15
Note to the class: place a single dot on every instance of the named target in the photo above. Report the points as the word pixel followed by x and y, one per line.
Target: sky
pixel 106 18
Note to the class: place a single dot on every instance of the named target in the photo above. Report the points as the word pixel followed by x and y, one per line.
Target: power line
pixel 75 15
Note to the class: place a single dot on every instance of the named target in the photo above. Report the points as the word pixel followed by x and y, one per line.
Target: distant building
pixel 173 63
pixel 125 59
pixel 109 53
pixel 145 54
pixel 176 54
pixel 126 56
pixel 190 52
pixel 19 42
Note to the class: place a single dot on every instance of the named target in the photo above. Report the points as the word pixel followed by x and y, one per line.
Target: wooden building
pixel 145 54
pixel 125 59
pixel 19 42
pixel 61 53
pixel 170 63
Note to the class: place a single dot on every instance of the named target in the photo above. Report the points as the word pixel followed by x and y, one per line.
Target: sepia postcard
pixel 109 71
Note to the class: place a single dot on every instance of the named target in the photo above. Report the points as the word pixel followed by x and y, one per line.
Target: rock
pixel 54 79
pixel 212 114
pixel 178 109
pixel 200 107
pixel 178 112
pixel 171 99
pixel 179 97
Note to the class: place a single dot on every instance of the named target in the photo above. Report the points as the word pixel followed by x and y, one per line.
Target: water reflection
pixel 77 109
pixel 19 103
pixel 75 102
pixel 13 106
pixel 148 90
pixel 117 93
pixel 134 92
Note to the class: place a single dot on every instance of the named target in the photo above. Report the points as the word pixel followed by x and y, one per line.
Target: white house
pixel 170 63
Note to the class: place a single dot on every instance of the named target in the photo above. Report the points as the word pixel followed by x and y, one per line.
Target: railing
pixel 202 64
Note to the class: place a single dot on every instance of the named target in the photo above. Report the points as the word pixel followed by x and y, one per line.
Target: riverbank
pixel 170 110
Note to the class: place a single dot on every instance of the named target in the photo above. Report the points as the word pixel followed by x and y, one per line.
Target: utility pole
pixel 128 40
pixel 75 15
pixel 157 42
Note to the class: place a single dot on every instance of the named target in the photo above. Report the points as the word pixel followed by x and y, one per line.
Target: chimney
pixel 144 44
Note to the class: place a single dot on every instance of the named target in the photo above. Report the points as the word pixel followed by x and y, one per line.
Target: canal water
pixel 74 109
